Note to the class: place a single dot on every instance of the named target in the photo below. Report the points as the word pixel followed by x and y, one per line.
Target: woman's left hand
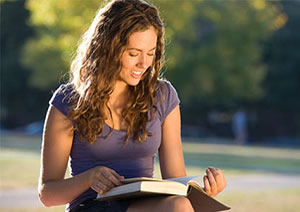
pixel 214 181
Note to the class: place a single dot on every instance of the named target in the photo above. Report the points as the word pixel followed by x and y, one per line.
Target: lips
pixel 136 74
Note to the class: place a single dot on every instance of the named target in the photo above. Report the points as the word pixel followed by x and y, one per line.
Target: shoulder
pixel 166 98
pixel 165 85
pixel 61 98
pixel 165 90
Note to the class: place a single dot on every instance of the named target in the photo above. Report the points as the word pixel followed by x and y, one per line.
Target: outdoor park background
pixel 221 56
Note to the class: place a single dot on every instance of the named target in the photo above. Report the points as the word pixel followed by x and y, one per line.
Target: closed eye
pixel 139 50
pixel 133 55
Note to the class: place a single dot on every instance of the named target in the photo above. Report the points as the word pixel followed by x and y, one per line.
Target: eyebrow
pixel 140 49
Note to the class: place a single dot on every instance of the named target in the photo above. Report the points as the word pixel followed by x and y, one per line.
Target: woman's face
pixel 138 56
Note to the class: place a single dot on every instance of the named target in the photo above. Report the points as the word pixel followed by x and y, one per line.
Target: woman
pixel 114 115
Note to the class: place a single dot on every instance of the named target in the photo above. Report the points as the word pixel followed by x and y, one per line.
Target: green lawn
pixel 275 201
pixel 281 200
pixel 20 162
pixel 243 159
pixel 21 168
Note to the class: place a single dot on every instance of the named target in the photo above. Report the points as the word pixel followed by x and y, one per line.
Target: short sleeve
pixel 167 99
pixel 61 98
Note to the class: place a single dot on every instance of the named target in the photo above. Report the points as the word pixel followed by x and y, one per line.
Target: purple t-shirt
pixel 131 160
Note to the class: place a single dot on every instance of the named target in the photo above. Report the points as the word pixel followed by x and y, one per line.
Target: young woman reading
pixel 114 115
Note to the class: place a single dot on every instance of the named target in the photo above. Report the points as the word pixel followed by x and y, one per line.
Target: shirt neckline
pixel 115 130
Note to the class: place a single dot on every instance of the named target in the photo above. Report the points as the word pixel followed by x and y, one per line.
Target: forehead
pixel 143 40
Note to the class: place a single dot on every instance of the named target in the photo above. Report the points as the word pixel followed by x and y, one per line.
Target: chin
pixel 134 83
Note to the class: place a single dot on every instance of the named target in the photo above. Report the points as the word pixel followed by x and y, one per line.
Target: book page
pixel 185 180
pixel 197 183
pixel 196 180
pixel 143 189
pixel 138 179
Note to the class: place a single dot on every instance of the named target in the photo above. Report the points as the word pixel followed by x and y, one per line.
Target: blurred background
pixel 235 65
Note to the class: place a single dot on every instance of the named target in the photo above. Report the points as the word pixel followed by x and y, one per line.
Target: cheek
pixel 128 63
pixel 150 61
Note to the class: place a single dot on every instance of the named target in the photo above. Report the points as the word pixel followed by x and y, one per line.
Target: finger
pixel 105 179
pixel 119 177
pixel 212 182
pixel 103 187
pixel 223 181
pixel 96 187
pixel 216 174
pixel 207 188
pixel 113 180
pixel 219 178
pixel 215 171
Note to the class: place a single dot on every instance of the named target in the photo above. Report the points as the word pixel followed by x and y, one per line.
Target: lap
pixel 161 203
pixel 93 205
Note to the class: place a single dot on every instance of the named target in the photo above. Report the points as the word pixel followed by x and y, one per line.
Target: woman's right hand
pixel 102 179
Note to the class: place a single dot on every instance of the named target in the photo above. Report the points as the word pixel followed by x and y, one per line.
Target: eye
pixel 132 54
pixel 151 54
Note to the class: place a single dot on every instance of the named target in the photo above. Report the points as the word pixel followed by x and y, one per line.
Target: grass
pixel 51 209
pixel 20 160
pixel 243 158
pixel 276 201
pixel 263 201
pixel 21 169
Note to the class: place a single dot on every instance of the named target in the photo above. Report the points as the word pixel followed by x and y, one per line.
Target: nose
pixel 142 63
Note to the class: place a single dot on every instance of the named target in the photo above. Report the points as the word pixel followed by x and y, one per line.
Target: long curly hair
pixel 97 66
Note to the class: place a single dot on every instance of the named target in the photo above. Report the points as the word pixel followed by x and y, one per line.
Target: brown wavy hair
pixel 97 66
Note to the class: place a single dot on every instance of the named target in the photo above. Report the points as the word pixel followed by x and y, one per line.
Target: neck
pixel 119 95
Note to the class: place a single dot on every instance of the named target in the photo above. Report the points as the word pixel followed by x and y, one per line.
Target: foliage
pixel 279 111
pixel 212 45
pixel 282 56
pixel 59 24
pixel 215 53
pixel 14 87
pixel 219 56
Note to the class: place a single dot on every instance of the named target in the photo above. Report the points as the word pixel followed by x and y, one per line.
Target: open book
pixel 183 186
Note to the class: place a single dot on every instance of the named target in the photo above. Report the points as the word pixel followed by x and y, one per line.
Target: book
pixel 184 186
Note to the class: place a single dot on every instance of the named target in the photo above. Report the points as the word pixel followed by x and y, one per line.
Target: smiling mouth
pixel 136 74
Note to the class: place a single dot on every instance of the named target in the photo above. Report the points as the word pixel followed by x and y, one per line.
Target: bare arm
pixel 171 156
pixel 57 143
pixel 170 152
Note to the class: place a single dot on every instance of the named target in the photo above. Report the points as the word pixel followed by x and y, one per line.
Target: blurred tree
pixel 282 56
pixel 214 44
pixel 58 25
pixel 17 98
pixel 279 111
pixel 220 53
pixel 214 51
